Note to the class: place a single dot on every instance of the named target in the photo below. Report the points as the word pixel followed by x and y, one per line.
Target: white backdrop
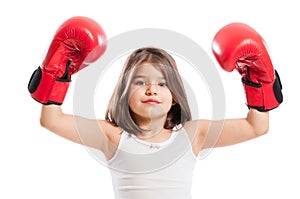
pixel 38 164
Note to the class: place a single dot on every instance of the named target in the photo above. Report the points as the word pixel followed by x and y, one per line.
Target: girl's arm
pixel 220 133
pixel 97 134
pixel 78 42
pixel 53 119
pixel 238 46
pixel 233 131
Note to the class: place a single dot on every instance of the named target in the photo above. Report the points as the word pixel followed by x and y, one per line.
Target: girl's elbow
pixel 43 122
pixel 46 123
pixel 262 130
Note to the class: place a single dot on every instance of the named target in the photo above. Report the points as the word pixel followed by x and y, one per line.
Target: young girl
pixel 148 137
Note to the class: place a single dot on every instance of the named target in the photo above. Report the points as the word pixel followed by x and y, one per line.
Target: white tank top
pixel 146 170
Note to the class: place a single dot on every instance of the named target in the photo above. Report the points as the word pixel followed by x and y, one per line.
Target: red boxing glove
pixel 238 46
pixel 78 42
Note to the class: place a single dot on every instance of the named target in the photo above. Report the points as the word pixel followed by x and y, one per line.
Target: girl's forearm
pixel 49 115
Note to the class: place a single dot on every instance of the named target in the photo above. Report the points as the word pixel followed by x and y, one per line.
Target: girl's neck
pixel 146 134
pixel 150 126
pixel 155 136
pixel 151 129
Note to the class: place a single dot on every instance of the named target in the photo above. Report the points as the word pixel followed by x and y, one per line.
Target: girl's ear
pixel 173 102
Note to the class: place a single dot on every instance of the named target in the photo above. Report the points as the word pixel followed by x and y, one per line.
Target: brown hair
pixel 118 111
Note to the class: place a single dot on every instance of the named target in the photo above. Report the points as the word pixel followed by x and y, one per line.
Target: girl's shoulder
pixel 194 127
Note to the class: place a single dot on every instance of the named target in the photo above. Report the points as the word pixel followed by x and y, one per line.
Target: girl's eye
pixel 145 83
pixel 140 83
pixel 162 84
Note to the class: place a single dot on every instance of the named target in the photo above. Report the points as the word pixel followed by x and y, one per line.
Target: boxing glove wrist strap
pixel 47 89
pixel 264 97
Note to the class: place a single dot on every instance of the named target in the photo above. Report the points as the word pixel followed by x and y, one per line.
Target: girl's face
pixel 149 95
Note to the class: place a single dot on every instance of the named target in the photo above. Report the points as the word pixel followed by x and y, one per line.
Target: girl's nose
pixel 151 89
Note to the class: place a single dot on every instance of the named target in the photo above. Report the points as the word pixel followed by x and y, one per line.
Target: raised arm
pixel 53 119
pixel 98 134
pixel 78 42
pixel 238 46
pixel 233 131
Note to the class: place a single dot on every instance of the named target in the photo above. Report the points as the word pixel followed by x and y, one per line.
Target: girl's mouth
pixel 151 101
